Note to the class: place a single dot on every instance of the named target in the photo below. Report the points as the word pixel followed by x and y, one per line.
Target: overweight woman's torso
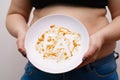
pixel 93 18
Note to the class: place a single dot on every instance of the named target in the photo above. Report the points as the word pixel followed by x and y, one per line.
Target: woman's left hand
pixel 96 43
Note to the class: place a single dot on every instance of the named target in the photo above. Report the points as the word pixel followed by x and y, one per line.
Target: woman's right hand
pixel 20 44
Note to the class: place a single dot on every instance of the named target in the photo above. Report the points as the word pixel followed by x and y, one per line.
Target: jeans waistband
pixel 104 60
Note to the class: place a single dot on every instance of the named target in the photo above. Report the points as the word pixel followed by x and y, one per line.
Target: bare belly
pixel 93 19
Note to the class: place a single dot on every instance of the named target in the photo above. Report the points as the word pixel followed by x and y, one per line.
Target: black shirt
pixel 38 4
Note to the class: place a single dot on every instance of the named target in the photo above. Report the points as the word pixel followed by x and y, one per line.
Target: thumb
pixel 20 46
pixel 91 52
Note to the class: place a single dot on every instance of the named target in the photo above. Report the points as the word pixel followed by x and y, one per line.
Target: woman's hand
pixel 20 44
pixel 96 43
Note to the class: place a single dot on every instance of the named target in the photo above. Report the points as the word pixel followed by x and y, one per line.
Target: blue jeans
pixel 103 69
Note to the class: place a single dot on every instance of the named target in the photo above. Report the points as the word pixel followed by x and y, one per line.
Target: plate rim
pixel 37 21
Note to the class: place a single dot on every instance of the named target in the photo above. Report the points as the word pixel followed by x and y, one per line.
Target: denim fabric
pixel 103 69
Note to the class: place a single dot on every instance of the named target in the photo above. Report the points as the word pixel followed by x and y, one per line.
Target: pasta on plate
pixel 58 43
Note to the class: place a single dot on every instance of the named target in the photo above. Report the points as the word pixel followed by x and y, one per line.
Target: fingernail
pixel 84 59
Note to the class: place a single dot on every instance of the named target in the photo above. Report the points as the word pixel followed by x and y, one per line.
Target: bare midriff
pixel 93 19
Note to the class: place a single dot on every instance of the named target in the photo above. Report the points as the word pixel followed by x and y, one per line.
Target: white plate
pixel 42 25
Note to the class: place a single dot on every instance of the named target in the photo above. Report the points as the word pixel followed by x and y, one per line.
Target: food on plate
pixel 58 43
